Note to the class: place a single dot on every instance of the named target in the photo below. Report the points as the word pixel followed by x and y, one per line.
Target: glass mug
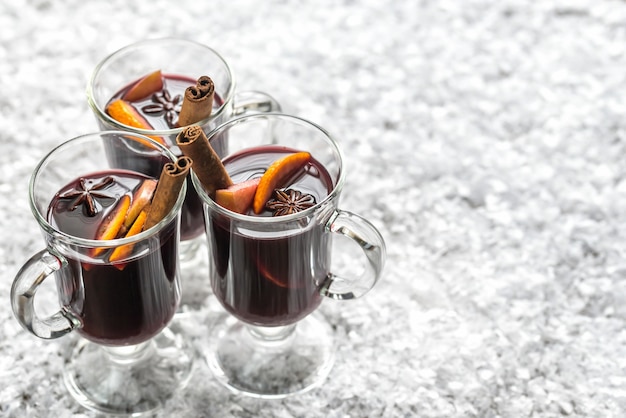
pixel 272 273
pixel 129 360
pixel 174 57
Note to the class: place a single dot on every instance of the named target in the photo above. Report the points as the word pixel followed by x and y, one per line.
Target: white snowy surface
pixel 485 139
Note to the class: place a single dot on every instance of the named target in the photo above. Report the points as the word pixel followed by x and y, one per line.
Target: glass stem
pixel 130 354
pixel 272 335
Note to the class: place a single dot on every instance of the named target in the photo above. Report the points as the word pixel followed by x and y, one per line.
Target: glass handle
pixel 32 274
pixel 367 237
pixel 255 102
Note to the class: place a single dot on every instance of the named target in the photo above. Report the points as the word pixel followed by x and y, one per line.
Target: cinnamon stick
pixel 170 182
pixel 207 165
pixel 197 102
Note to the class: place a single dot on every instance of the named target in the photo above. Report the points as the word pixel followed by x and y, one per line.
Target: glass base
pixel 271 363
pixel 133 380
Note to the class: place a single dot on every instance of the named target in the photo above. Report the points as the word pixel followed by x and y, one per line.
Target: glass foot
pixel 271 363
pixel 133 380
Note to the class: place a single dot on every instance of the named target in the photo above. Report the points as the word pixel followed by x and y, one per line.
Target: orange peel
pixel 276 175
pixel 146 86
pixel 123 251
pixel 141 198
pixel 238 197
pixel 112 223
pixel 126 114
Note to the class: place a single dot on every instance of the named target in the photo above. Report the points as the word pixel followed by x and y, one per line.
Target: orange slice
pixel 269 276
pixel 237 197
pixel 141 198
pixel 123 251
pixel 125 113
pixel 147 85
pixel 112 223
pixel 276 174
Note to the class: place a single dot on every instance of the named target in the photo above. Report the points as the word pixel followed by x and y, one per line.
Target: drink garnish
pixel 146 86
pixel 277 280
pixel 141 199
pixel 276 175
pixel 286 202
pixel 125 113
pixel 112 223
pixel 87 194
pixel 237 197
pixel 166 105
pixel 197 102
pixel 170 182
pixel 123 251
pixel 207 165
pixel 151 201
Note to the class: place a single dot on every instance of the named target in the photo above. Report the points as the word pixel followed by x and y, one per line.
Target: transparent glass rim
pixel 93 243
pixel 163 132
pixel 285 218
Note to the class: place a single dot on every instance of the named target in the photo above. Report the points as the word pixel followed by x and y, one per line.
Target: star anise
pixel 286 202
pixel 165 104
pixel 86 194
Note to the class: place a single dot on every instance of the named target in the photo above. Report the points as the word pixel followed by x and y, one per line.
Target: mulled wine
pixel 264 278
pixel 272 210
pixel 159 110
pixel 121 302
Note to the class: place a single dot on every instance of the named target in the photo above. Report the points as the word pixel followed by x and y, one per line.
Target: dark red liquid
pixel 191 223
pixel 264 278
pixel 116 306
